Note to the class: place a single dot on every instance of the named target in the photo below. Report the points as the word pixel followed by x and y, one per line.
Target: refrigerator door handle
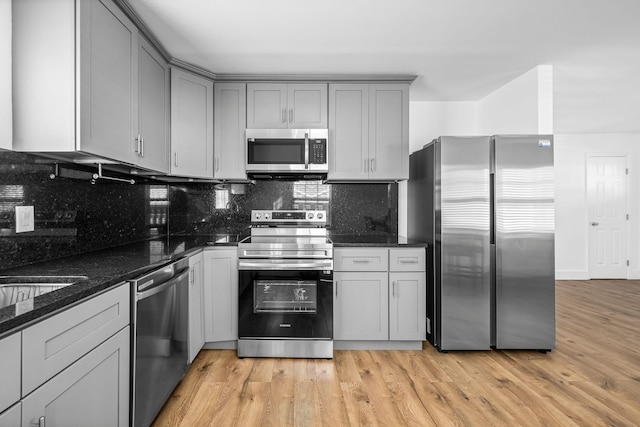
pixel 492 209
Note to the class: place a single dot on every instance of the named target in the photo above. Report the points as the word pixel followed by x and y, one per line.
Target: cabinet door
pixel 10 351
pixel 361 306
pixel 108 81
pixel 153 109
pixel 230 122
pixel 348 131
pixel 407 306
pixel 221 294
pixel 5 76
pixel 196 305
pixel 12 417
pixel 389 131
pixel 50 346
pixel 267 106
pixel 191 125
pixel 94 391
pixel 307 105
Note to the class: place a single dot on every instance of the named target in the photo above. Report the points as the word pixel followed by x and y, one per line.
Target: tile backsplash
pixel 73 216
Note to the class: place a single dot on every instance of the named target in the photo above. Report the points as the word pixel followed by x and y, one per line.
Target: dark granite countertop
pixel 374 240
pixel 103 269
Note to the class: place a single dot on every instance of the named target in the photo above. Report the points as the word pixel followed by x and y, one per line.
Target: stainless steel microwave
pixel 287 151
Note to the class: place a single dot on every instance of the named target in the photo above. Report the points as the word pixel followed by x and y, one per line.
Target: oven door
pixel 293 303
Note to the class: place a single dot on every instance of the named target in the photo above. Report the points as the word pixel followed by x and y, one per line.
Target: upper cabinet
pixel 5 75
pixel 93 97
pixel 191 125
pixel 369 132
pixel 281 106
pixel 229 123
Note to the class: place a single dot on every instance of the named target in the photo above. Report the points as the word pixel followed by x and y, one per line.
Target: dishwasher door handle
pixel 161 287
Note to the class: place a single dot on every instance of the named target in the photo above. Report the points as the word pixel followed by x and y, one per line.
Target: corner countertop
pixel 374 240
pixel 104 269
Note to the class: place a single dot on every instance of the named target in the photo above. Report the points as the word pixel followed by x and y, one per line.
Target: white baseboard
pixel 572 275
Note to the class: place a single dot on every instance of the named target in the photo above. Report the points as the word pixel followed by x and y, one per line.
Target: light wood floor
pixel 592 378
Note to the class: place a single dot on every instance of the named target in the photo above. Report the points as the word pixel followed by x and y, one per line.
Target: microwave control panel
pixel 317 151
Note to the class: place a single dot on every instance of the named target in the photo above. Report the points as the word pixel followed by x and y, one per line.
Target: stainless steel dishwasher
pixel 159 338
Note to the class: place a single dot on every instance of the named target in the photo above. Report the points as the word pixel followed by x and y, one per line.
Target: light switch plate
pixel 25 219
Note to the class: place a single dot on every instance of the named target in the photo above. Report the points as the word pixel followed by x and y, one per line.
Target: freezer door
pixel 462 243
pixel 524 237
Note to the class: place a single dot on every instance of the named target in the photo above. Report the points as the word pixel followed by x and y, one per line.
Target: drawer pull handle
pixel 408 261
pixel 361 261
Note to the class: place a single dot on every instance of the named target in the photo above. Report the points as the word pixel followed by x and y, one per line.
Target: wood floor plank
pixel 591 378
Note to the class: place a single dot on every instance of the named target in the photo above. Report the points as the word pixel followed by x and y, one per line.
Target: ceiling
pixel 460 50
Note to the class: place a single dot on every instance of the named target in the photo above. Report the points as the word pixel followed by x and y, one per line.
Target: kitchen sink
pixel 15 289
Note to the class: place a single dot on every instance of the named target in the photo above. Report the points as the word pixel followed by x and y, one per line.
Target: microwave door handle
pixel 306 150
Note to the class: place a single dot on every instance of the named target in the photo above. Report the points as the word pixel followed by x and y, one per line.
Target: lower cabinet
pixel 380 294
pixel 93 391
pixel 220 294
pixel 11 357
pixel 361 306
pixel 196 305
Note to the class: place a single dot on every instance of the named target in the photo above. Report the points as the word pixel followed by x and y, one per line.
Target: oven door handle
pixel 161 287
pixel 261 265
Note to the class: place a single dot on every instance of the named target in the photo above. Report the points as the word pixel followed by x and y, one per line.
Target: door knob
pixel 595 224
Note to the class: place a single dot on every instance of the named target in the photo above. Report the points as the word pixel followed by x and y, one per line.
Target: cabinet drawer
pixel 407 259
pixel 55 343
pixel 12 417
pixel 352 259
pixel 10 372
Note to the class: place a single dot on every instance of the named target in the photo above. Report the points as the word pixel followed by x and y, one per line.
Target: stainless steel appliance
pixel 285 306
pixel 159 338
pixel 302 152
pixel 485 207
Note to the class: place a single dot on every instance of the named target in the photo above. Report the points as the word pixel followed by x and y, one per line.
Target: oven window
pixel 285 296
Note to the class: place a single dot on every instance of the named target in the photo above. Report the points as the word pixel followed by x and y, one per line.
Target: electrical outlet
pixel 25 219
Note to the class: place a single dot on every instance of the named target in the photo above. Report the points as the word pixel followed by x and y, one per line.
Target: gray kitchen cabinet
pixel 12 417
pixel 153 139
pixel 10 372
pixel 229 124
pixel 221 294
pixel 370 123
pixel 191 125
pixel 93 391
pixel 97 89
pixel 282 106
pixel 361 304
pixel 407 294
pixel 50 346
pixel 196 305
pixel 6 134
pixel 380 294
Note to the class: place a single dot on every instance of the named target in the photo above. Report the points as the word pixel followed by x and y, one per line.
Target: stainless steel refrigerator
pixel 485 206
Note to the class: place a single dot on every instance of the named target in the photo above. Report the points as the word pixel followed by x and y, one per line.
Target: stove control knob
pixel 258 215
pixel 266 215
pixel 320 215
pixel 310 215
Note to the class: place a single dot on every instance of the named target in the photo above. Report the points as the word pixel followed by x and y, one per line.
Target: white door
pixel 607 216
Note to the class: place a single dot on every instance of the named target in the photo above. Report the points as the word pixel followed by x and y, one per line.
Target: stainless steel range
pixel 285 306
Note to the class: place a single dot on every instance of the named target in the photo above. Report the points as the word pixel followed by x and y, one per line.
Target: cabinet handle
pixel 284 115
pixel 217 165
pixel 393 288
pixel 373 165
pixel 290 115
pixel 175 158
pixel 137 150
pixel 366 165
pixel 407 261
pixel 361 261
pixel 336 289
pixel 142 146
pixel 41 422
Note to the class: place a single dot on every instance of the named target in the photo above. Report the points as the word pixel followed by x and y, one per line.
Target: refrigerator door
pixel 462 218
pixel 524 238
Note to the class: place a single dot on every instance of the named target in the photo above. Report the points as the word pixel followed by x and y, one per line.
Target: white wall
pixel 522 106
pixel 572 224
pixel 429 120
pixel 5 74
